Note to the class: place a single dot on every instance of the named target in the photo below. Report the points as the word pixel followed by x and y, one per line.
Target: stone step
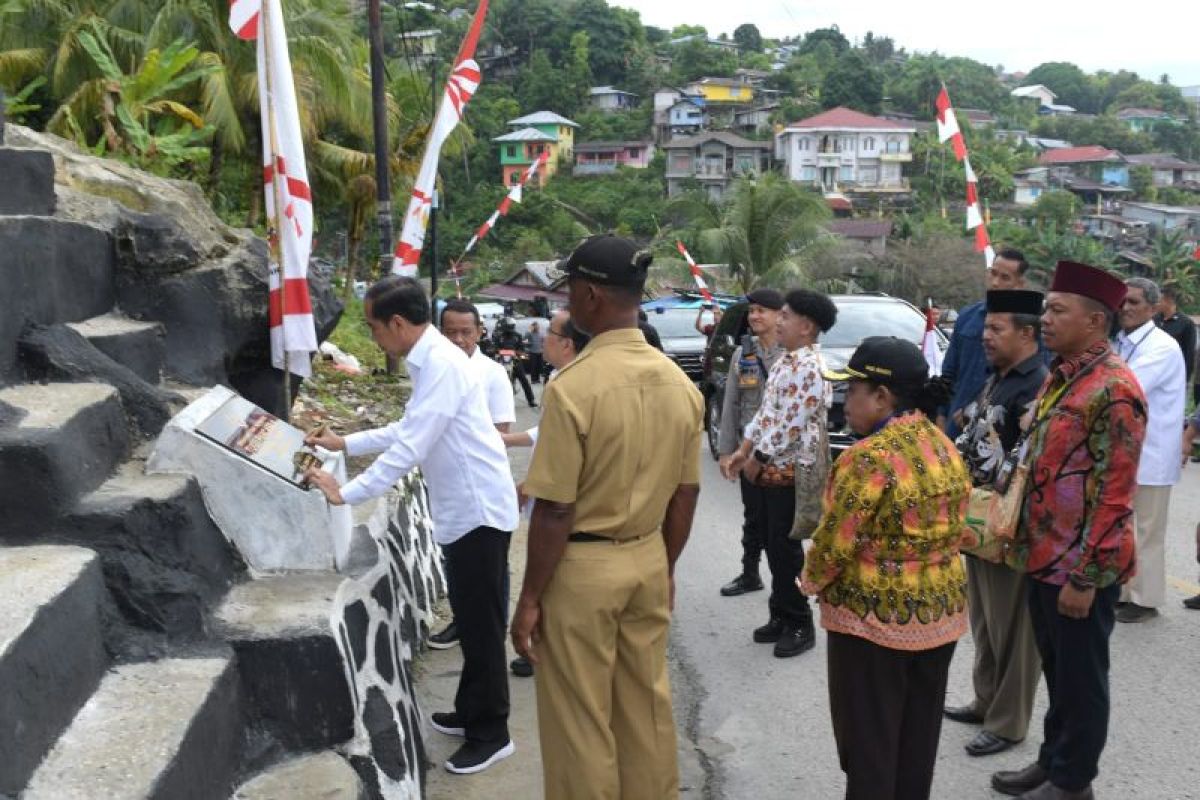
pixel 319 776
pixel 59 441
pixel 165 561
pixel 141 346
pixel 163 730
pixel 51 650
pixel 28 178
pixel 290 665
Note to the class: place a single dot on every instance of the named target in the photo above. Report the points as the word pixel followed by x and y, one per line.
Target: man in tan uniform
pixel 616 477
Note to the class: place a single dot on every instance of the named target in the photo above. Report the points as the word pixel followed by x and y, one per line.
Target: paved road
pixel 762 724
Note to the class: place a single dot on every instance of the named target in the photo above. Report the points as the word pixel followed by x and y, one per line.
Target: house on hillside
pixel 755 120
pixel 1015 136
pixel 535 279
pixel 714 159
pixel 603 158
pixel 1168 169
pixel 844 150
pixel 1029 185
pixel 533 135
pixel 1059 110
pixel 685 117
pixel 723 44
pixel 421 46
pixel 606 98
pixel 1042 144
pixel 1165 218
pixel 1144 120
pixel 722 90
pixel 1091 162
pixel 870 234
pixel 977 117
pixel 1037 92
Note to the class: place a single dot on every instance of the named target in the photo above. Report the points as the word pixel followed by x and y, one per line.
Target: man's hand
pixel 1075 603
pixel 732 464
pixel 328 485
pixel 521 496
pixel 752 469
pixel 1189 438
pixel 671 607
pixel 526 629
pixel 322 437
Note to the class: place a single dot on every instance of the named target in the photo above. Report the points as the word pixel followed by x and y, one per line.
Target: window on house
pixel 869 143
pixel 893 146
pixel 847 174
pixel 808 173
pixel 511 151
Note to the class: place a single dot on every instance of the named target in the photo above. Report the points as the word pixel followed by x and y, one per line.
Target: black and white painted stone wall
pixel 379 618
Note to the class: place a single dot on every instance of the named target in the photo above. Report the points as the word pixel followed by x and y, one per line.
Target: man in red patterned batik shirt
pixel 1077 531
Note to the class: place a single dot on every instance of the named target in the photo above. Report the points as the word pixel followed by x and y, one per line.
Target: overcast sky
pixel 1150 37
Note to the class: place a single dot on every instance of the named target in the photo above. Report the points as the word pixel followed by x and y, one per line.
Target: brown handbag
pixel 810 490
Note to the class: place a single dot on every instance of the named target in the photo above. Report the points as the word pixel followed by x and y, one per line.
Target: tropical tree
pixel 764 232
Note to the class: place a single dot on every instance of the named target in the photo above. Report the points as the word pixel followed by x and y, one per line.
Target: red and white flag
pixel 948 130
pixel 460 86
pixel 697 275
pixel 285 179
pixel 929 344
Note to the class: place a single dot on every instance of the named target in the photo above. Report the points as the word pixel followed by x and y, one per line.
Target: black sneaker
pixel 1193 603
pixel 521 667
pixel 475 757
pixel 446 638
pixel 771 632
pixel 741 584
pixel 447 722
pixel 795 641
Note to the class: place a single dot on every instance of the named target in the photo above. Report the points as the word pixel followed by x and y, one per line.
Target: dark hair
pixel 1028 321
pixel 397 296
pixel 461 307
pixel 925 397
pixel 814 305
pixel 1170 292
pixel 1012 254
pixel 578 337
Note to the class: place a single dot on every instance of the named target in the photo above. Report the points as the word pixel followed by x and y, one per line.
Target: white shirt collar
pixel 1137 334
pixel 420 351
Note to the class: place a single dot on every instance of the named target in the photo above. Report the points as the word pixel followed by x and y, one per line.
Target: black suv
pixel 859 316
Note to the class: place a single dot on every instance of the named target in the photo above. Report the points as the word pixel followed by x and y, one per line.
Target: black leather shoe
pixel 966 714
pixel 1132 612
pixel 771 632
pixel 444 639
pixel 795 641
pixel 521 667
pixel 1015 783
pixel 741 584
pixel 987 743
pixel 1193 603
pixel 1048 791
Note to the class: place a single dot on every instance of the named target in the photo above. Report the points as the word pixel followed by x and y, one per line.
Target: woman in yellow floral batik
pixel 886 570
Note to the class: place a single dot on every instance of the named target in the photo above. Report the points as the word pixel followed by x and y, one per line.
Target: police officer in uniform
pixel 749 366
pixel 616 476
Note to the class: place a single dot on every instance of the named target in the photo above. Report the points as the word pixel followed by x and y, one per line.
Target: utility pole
pixel 383 190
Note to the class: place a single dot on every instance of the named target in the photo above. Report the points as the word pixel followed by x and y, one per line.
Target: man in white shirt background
pixel 447 432
pixel 462 326
pixel 1156 360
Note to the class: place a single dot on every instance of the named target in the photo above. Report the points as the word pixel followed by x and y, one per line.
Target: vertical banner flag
pixel 929 343
pixel 948 130
pixel 515 194
pixel 285 177
pixel 460 86
pixel 696 274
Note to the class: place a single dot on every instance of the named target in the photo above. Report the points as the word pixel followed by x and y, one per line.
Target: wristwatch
pixel 761 457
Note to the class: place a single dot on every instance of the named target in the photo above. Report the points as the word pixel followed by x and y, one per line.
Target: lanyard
pixel 1138 344
pixel 1047 404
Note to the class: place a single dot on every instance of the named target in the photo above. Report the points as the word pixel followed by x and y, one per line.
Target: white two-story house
pixel 842 150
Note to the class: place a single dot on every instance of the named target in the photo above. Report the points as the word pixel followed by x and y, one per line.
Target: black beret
pixel 767 298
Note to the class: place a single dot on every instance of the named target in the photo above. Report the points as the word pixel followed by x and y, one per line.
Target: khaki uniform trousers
pixel 1007 665
pixel 1148 588
pixel 603 692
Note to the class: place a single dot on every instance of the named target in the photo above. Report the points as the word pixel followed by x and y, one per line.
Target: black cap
pixel 767 298
pixel 609 260
pixel 1015 301
pixel 884 359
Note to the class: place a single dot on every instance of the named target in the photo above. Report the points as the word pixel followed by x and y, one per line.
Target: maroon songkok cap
pixel 1092 282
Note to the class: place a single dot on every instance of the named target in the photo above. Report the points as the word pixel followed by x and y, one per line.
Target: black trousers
pixel 769 514
pixel 887 716
pixel 536 366
pixel 518 375
pixel 479 563
pixel 1075 663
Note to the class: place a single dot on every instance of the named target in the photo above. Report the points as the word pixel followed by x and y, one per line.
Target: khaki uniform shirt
pixel 620 431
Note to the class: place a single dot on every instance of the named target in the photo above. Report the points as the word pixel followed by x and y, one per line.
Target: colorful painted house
pixel 603 158
pixel 1091 162
pixel 1144 120
pixel 533 135
pixel 722 90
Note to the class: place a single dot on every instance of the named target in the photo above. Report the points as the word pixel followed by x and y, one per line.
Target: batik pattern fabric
pixel 787 427
pixel 885 559
pixel 1077 523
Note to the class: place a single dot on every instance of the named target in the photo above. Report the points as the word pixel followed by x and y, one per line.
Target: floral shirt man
pixel 1083 463
pixel 787 427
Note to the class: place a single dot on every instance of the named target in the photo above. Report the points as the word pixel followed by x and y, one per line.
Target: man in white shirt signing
pixel 447 432
pixel 1156 360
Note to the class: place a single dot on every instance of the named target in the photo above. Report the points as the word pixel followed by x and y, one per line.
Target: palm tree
pixel 1174 264
pixel 763 232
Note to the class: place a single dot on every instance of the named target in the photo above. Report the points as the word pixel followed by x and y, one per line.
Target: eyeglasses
pixel 557 333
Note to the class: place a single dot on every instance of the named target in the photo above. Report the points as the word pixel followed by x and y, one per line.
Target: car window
pixel 857 321
pixel 674 323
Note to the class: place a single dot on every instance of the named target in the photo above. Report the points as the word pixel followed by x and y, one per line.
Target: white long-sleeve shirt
pixel 496 388
pixel 1156 360
pixel 447 431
